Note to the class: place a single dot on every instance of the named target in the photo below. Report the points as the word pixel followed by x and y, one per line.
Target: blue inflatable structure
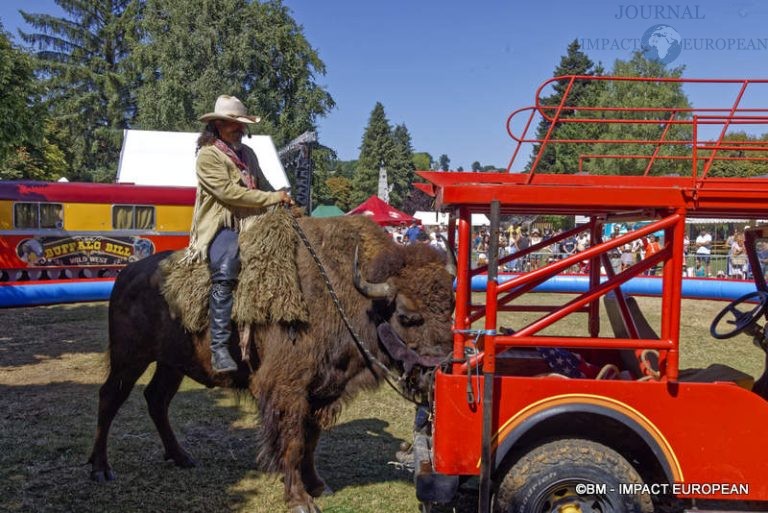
pixel 37 293
pixel 693 288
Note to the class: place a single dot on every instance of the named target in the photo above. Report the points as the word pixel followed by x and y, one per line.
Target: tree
pixel 377 149
pixel 347 168
pixel 643 95
pixel 159 64
pixel 43 162
pixel 384 147
pixel 401 171
pixel 331 183
pixel 444 162
pixel 248 49
pixel 738 162
pixel 18 122
pixel 563 157
pixel 25 148
pixel 422 161
pixel 340 188
pixel 476 166
pixel 81 59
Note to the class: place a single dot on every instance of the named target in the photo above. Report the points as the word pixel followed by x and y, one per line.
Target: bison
pixel 299 378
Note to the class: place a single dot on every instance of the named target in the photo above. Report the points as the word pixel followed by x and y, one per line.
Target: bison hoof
pixel 182 460
pixel 305 508
pixel 102 476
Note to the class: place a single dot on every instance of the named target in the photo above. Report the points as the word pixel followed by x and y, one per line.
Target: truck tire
pixel 545 480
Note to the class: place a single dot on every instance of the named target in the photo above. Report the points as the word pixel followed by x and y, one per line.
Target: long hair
pixel 209 134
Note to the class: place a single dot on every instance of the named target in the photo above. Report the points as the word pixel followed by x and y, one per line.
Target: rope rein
pixel 370 358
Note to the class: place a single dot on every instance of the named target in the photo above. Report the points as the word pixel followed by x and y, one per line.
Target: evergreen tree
pixel 88 88
pixel 444 162
pixel 347 168
pixel 377 149
pixel 563 157
pixel 248 49
pixel 401 171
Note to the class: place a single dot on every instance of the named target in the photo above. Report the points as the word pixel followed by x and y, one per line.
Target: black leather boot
pixel 220 313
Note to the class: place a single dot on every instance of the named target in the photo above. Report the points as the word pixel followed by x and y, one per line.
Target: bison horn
pixel 450 264
pixel 370 290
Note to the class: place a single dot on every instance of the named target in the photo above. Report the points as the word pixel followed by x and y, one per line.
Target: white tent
pixel 480 220
pixel 168 158
pixel 428 218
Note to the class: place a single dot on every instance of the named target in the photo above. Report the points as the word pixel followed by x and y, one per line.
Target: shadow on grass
pixel 31 335
pixel 358 453
pixel 46 438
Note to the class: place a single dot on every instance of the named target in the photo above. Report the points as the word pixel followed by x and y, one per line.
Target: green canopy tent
pixel 327 211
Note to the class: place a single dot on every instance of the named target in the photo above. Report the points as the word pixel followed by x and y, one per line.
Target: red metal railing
pixel 519 285
pixel 693 149
pixel 654 195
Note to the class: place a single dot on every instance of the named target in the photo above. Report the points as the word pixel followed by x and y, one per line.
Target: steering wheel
pixel 741 320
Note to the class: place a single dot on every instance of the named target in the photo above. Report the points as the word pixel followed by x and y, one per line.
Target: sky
pixel 452 71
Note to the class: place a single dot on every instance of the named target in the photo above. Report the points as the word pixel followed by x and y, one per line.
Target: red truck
pixel 603 422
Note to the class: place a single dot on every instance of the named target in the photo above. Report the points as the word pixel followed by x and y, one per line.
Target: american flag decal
pixel 567 363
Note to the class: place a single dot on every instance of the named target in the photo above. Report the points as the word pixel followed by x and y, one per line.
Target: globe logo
pixel 661 43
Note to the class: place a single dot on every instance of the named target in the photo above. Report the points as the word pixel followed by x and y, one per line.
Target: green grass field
pixel 52 364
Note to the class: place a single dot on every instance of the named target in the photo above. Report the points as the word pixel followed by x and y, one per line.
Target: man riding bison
pixel 393 310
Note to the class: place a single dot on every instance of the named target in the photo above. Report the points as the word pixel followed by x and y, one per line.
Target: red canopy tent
pixel 381 212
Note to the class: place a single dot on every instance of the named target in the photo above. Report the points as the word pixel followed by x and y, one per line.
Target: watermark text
pixel 664 489
pixel 659 12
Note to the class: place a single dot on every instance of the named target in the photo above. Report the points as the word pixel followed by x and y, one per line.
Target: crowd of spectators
pixel 701 260
pixel 514 238
pixel 699 252
pixel 419 234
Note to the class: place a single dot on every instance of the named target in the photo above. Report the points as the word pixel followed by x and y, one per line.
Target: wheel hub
pixel 564 499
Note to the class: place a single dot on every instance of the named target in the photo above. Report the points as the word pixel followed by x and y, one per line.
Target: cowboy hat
pixel 229 108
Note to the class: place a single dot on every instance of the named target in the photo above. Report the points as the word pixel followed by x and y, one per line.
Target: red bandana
pixel 245 174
